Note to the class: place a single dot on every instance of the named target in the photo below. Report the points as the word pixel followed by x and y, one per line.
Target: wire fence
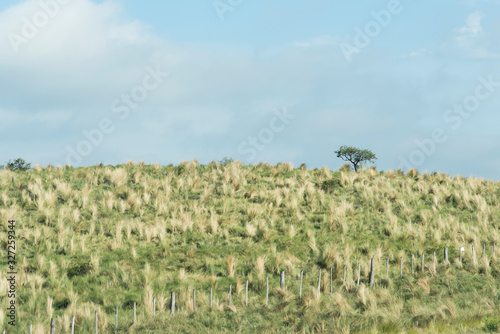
pixel 377 272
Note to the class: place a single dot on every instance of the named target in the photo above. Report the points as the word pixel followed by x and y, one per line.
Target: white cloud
pixel 471 38
pixel 473 25
pixel 78 30
pixel 318 41
pixel 418 53
pixel 50 119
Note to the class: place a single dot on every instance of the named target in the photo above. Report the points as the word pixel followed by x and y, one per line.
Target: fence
pixel 282 285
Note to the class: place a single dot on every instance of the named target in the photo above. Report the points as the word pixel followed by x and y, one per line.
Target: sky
pixel 85 82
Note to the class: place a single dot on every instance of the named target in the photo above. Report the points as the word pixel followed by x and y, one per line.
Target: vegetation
pixel 355 156
pixel 17 165
pixel 98 237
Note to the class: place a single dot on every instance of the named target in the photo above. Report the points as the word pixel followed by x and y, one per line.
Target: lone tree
pixel 17 165
pixel 355 155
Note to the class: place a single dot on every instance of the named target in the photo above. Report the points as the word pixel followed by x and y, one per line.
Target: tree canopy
pixel 17 165
pixel 355 155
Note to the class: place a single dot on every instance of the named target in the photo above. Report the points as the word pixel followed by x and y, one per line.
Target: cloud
pixel 473 25
pixel 471 39
pixel 78 30
pixel 318 41
pixel 66 78
pixel 48 119
pixel 420 53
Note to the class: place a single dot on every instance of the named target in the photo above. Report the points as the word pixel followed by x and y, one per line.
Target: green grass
pixel 98 237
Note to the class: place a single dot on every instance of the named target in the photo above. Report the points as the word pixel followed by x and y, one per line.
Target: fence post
pixel 473 256
pixel 387 268
pixel 319 283
pixel 246 294
pixel 95 322
pixel 52 326
pixel 401 267
pixel 331 279
pixel 460 255
pixel 484 252
pixel 434 261
pixel 282 280
pixel 300 285
pixel 154 306
pixel 116 317
pixel 359 269
pixel 230 292
pixel 210 296
pixel 343 279
pixel 422 261
pixel 267 289
pixel 493 249
pixel 31 329
pixel 135 311
pixel 73 325
pixel 372 272
pixel 446 255
pixel 412 264
pixel 194 300
pixel 172 304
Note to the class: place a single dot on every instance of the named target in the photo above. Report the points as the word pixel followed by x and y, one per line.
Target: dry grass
pixel 148 230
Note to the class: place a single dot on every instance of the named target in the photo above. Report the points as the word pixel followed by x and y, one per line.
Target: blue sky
pixel 417 82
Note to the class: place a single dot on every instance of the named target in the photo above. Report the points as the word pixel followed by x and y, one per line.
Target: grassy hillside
pixel 92 238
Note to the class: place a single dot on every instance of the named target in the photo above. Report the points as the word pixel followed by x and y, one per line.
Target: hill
pixel 90 239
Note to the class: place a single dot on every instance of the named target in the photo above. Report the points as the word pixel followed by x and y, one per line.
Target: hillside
pixel 98 237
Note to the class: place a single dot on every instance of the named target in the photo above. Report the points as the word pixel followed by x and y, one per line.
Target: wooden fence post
pixel 473 256
pixel 135 311
pixel 359 270
pixel 230 292
pixel 434 261
pixel 319 283
pixel 52 326
pixel 282 280
pixel 31 329
pixel 331 280
pixel 116 317
pixel 460 255
pixel 194 300
pixel 484 252
pixel 412 264
pixel 343 279
pixel 387 268
pixel 246 294
pixel 154 306
pixel 95 322
pixel 300 286
pixel 210 296
pixel 446 255
pixel 401 267
pixel 372 272
pixel 267 289
pixel 422 261
pixel 172 304
pixel 73 325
